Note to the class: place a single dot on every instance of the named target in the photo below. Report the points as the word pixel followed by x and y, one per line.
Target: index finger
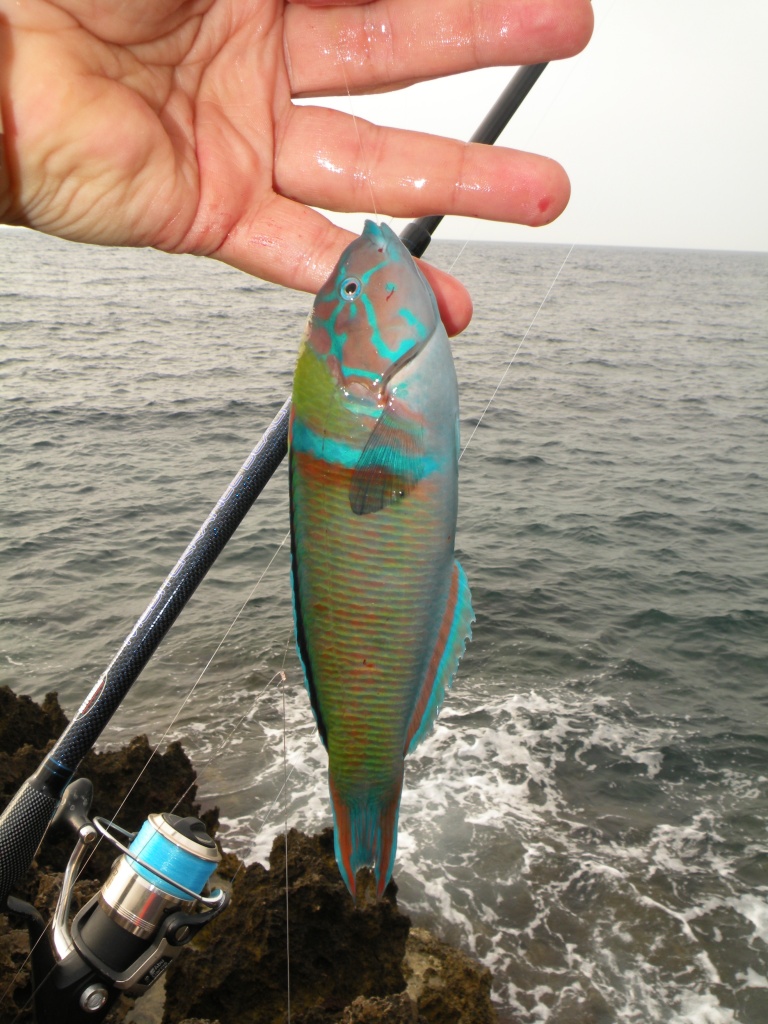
pixel 386 44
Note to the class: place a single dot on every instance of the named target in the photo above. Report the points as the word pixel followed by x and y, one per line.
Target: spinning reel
pixel 125 937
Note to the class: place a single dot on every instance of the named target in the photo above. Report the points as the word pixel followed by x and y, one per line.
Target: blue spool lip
pixel 167 831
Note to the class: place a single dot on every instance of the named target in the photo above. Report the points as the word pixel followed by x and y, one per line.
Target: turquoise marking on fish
pixel 382 609
pixel 344 454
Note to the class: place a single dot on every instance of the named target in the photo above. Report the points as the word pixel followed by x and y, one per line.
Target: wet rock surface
pixel 448 986
pixel 349 963
pixel 338 950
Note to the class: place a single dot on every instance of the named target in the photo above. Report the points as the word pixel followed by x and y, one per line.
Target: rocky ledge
pixel 338 961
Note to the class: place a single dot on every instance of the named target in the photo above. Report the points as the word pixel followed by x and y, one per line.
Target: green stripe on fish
pixel 383 611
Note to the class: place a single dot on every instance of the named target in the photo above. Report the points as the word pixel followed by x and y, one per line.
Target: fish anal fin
pixel 365 835
pixel 455 630
pixel 390 466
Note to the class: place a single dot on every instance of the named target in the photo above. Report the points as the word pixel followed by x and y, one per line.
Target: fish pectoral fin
pixel 390 466
pixel 455 630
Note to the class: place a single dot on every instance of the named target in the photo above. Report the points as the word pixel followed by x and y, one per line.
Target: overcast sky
pixel 661 123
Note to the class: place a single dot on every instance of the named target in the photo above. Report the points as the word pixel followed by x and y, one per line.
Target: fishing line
pixel 366 165
pixel 285 816
pixel 281 675
pixel 458 255
pixel 276 798
pixel 517 350
pixel 6 994
pixel 198 773
pixel 193 688
pixel 199 679
pixel 284 791
pixel 26 1006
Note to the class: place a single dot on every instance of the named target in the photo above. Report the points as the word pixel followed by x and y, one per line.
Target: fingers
pixel 391 43
pixel 326 3
pixel 453 299
pixel 326 158
pixel 293 246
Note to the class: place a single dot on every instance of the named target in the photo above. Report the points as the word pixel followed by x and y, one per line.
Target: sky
pixel 661 124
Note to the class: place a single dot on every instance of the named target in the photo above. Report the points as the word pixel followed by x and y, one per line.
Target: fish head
pixel 373 315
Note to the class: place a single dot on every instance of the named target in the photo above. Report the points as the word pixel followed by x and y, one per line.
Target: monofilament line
pixel 188 697
pixel 205 668
pixel 515 353
pixel 363 158
pixel 154 752
pixel 285 815
pixel 458 256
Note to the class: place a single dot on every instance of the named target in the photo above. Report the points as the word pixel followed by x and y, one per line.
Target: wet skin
pixel 171 124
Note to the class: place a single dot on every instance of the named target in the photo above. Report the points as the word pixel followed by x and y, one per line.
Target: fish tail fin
pixel 365 835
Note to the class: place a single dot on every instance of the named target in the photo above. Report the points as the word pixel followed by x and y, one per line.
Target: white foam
pixel 702 1008
pixel 755 910
pixel 496 853
pixel 751 979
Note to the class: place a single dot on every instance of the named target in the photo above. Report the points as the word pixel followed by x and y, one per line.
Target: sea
pixel 589 816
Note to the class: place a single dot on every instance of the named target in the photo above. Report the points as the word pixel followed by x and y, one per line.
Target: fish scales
pixel 382 610
pixel 355 629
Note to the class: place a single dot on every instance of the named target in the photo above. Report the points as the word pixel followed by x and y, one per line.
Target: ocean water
pixel 589 815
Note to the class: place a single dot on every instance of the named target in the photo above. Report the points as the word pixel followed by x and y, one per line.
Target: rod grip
pixel 22 826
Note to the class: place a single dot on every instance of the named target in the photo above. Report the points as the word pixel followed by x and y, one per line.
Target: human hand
pixel 169 123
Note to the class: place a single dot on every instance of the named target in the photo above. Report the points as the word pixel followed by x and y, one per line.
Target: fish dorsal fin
pixel 455 630
pixel 390 466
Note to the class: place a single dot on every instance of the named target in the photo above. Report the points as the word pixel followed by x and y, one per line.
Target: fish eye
pixel 350 288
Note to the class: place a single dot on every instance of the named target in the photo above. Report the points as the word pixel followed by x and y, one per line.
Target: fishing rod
pixel 417 235
pixel 126 936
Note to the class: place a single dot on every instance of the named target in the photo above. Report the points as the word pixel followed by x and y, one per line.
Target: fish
pixel 382 609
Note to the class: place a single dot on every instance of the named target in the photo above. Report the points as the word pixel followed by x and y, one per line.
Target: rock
pixel 148 1009
pixel 399 1009
pixel 15 982
pixel 21 717
pixel 338 950
pixel 448 986
pixel 128 783
pixel 349 963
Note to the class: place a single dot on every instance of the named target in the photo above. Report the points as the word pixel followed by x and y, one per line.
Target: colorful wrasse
pixel 383 611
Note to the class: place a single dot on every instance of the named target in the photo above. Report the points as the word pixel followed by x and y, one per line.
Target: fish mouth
pixel 384 238
pixel 387 242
